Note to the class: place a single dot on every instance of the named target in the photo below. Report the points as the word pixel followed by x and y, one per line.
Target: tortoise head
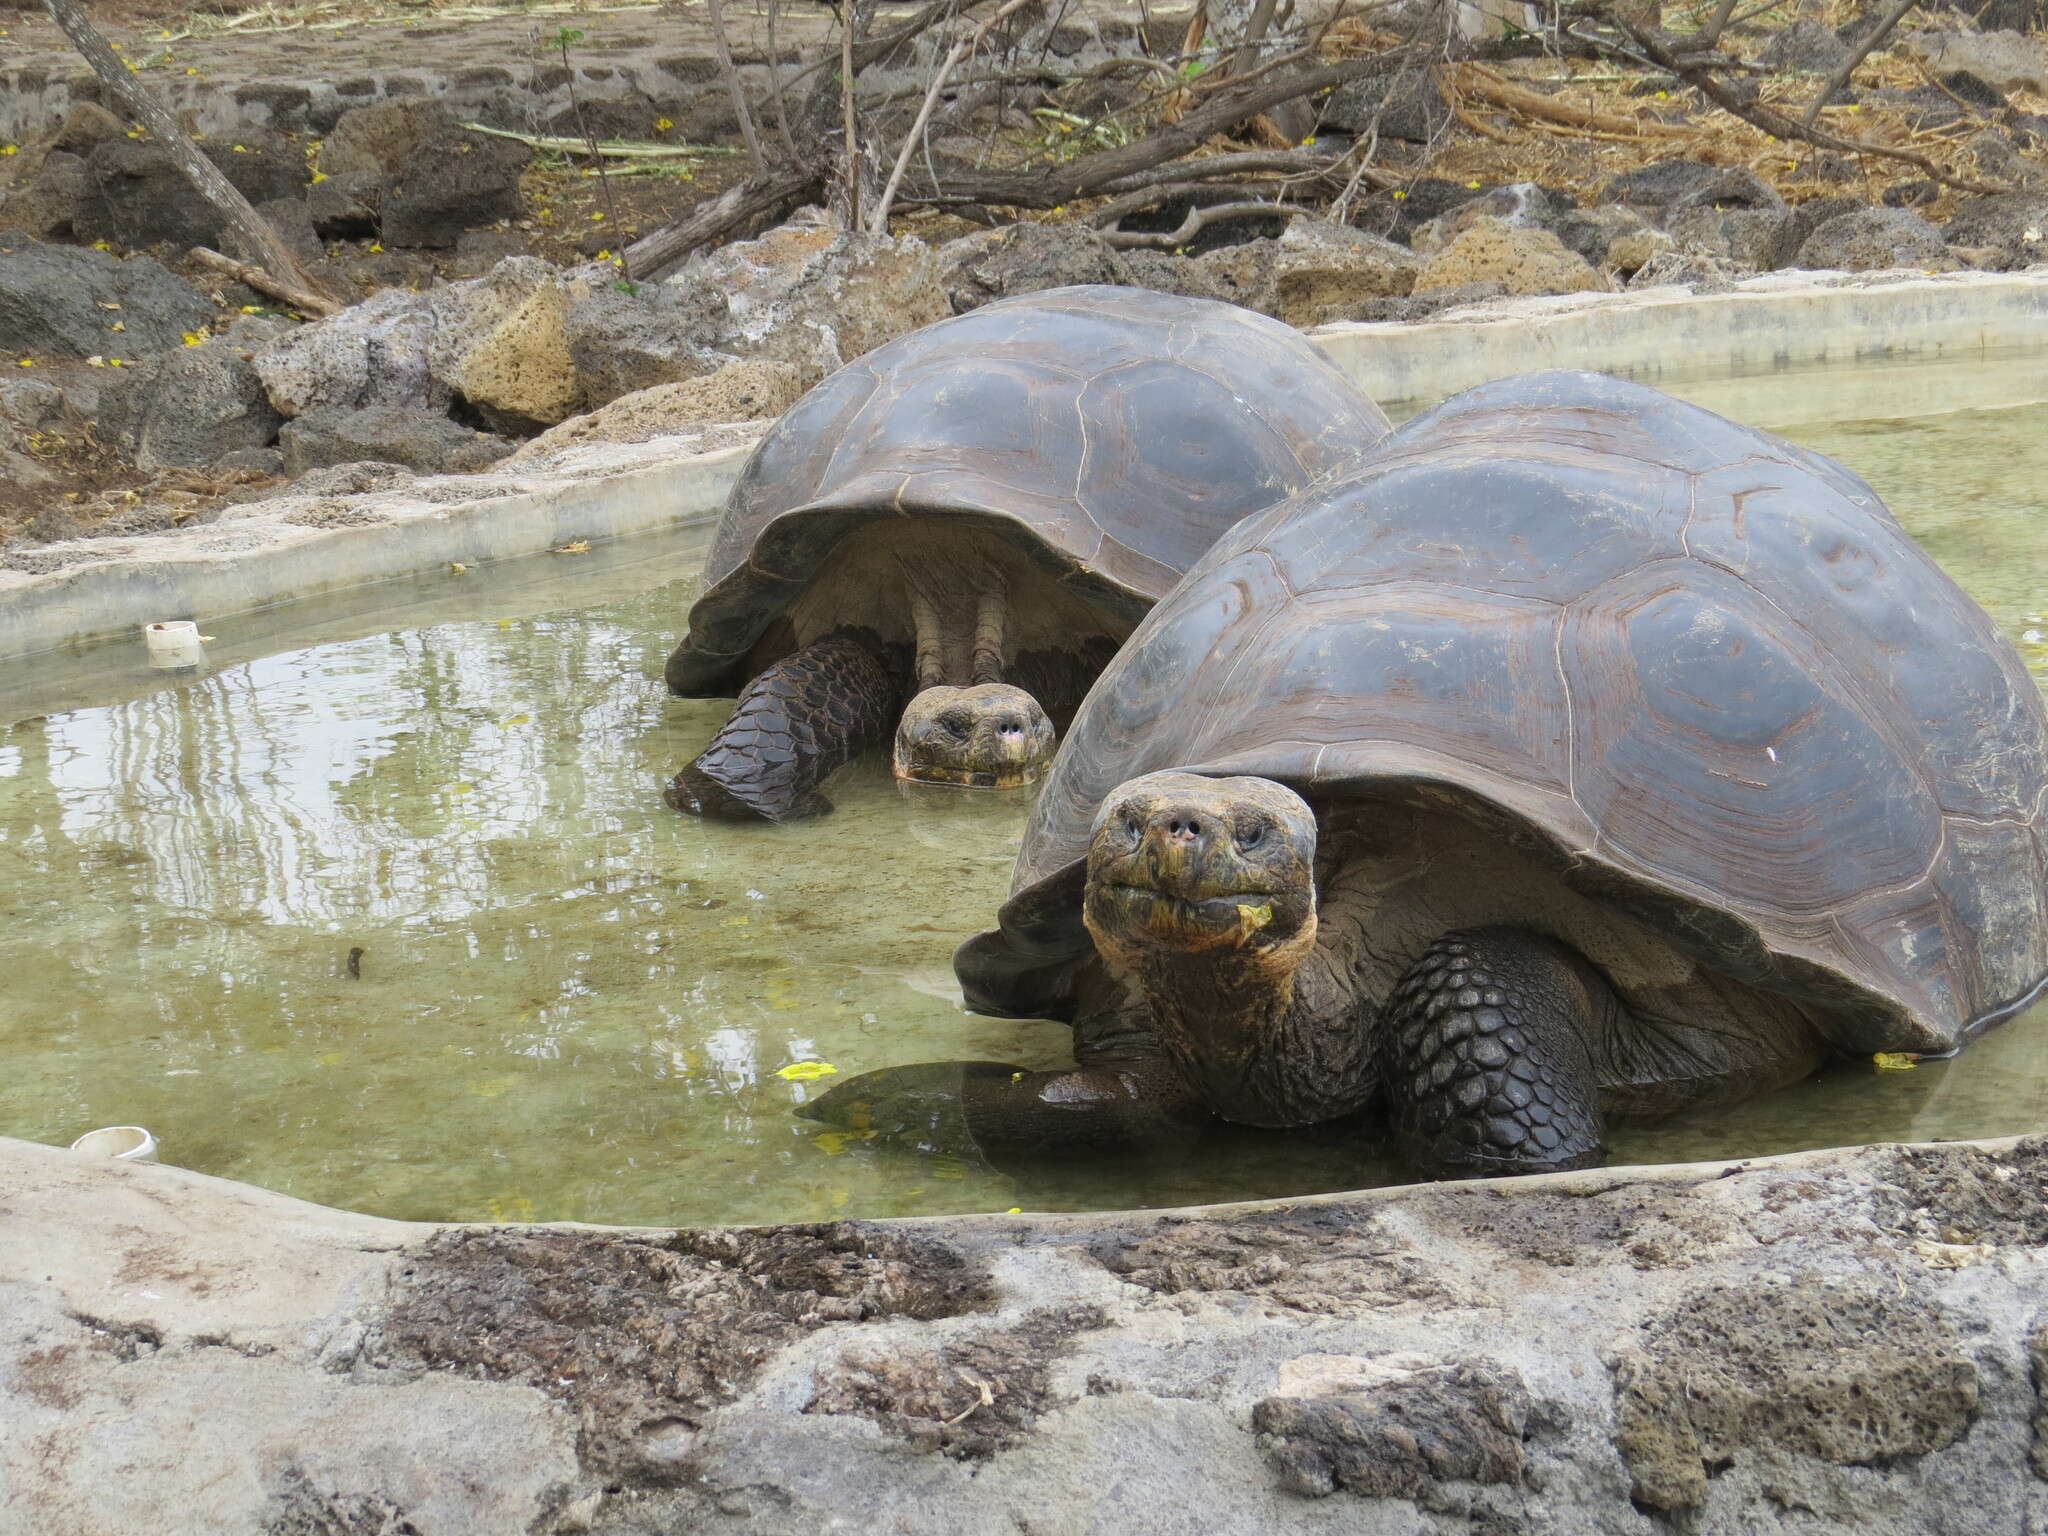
pixel 986 736
pixel 1183 866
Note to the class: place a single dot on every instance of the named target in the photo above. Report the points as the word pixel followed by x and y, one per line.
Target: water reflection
pixel 574 1004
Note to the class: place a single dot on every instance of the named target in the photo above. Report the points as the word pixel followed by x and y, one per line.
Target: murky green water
pixel 574 1004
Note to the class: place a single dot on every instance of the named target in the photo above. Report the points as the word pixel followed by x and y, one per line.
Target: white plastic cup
pixel 123 1143
pixel 173 644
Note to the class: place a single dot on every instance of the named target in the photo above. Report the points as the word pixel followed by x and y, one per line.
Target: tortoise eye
pixel 953 725
pixel 1251 835
pixel 1131 828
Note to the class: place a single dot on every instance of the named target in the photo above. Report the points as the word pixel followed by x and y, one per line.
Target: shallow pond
pixel 573 1004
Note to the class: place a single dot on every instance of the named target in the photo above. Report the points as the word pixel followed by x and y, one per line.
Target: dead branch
pixel 1198 219
pixel 308 300
pixel 204 175
pixel 1839 76
pixel 726 214
pixel 1478 80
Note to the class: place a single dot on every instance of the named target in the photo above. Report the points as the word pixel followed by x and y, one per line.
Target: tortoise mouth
pixel 1009 776
pixel 1148 908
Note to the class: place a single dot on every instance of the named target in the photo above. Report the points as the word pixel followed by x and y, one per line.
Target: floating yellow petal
pixel 1895 1061
pixel 806 1071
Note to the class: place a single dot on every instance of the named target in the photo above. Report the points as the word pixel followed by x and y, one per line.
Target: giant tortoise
pixel 972 518
pixel 1584 756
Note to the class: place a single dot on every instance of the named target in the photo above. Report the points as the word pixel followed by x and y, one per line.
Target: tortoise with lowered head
pixel 970 519
pixel 1586 755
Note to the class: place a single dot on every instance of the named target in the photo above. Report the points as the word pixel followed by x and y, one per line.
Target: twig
pixel 775 81
pixel 879 223
pixel 564 36
pixel 1839 75
pixel 1198 219
pixel 204 175
pixel 307 299
pixel 1710 34
pixel 723 51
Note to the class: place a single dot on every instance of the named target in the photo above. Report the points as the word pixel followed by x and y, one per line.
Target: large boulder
pixel 1671 186
pixel 137 196
pixel 1320 269
pixel 59 301
pixel 426 178
pixel 736 392
pixel 373 353
pixel 387 434
pixel 1524 260
pixel 621 342
pixel 2014 224
pixel 1026 258
pixel 1520 205
pixel 1593 232
pixel 187 407
pixel 1807 44
pixel 456 180
pixel 818 296
pixel 501 343
pixel 1745 236
pixel 2006 60
pixel 1800 223
pixel 1872 239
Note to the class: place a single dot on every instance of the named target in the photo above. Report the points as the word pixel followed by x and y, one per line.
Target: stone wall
pixel 1832 1341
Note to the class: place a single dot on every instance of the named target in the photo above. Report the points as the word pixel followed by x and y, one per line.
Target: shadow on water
pixel 574 1004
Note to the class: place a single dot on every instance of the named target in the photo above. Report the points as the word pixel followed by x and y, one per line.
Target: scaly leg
pixel 1493 1037
pixel 793 724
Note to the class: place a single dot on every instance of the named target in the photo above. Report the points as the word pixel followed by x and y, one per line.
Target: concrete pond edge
pixel 1831 1340
pixel 1775 326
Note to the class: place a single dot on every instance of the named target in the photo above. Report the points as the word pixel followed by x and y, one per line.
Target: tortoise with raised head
pixel 1584 756
pixel 948 538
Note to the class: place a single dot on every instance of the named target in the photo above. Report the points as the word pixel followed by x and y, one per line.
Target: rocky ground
pixel 139 391
pixel 1834 1341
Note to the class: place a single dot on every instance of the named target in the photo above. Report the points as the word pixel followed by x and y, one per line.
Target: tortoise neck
pixel 1262 1046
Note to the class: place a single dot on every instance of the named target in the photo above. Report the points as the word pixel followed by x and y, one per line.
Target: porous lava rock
pixel 186 407
pixel 1872 239
pixel 754 391
pixel 1852 1370
pixel 387 434
pixel 1397 1427
pixel 61 301
pixel 1523 260
pixel 621 342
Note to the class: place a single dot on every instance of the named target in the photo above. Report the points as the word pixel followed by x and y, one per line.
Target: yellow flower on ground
pixel 25 362
pixel 662 125
pixel 10 149
pixel 319 176
pixel 193 338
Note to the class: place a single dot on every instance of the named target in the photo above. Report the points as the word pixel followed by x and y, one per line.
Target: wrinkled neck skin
pixel 1269 1041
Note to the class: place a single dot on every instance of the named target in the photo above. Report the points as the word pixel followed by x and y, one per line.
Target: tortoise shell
pixel 1698 670
pixel 1112 432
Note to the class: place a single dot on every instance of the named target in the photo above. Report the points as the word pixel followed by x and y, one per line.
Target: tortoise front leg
pixel 1112 1104
pixel 792 725
pixel 1492 1034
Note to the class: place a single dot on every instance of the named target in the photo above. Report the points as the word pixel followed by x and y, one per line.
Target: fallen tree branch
pixel 1477 80
pixel 309 300
pixel 1198 219
pixel 726 214
pixel 205 176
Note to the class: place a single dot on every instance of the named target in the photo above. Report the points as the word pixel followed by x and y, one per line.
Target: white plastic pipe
pixel 173 644
pixel 123 1143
